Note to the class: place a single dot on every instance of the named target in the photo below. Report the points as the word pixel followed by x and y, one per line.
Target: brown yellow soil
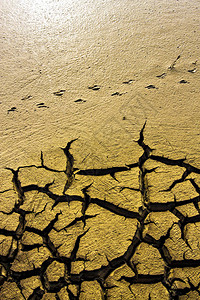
pixel 100 160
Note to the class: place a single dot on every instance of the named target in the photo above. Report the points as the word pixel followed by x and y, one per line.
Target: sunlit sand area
pixel 100 159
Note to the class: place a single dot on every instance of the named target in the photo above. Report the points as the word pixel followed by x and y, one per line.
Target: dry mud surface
pixel 62 238
pixel 110 208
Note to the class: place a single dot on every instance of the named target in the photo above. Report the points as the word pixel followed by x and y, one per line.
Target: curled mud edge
pixel 159 256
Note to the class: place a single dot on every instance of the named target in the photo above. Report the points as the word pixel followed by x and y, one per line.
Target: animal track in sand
pixel 27 97
pixel 79 101
pixel 12 109
pixel 59 93
pixel 117 94
pixel 151 86
pixel 42 105
pixel 183 81
pixel 128 82
pixel 61 243
pixel 193 70
pixel 94 87
pixel 162 75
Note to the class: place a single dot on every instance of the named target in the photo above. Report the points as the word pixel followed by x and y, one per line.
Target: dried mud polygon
pixel 133 234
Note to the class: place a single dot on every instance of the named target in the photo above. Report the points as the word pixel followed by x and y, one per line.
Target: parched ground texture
pixel 125 232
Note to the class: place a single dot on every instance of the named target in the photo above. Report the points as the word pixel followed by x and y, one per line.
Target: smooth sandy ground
pixel 71 45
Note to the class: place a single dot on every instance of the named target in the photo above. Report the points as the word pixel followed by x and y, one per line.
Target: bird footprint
pixel 59 93
pixel 94 87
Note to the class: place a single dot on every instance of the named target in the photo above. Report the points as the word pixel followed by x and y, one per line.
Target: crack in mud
pixel 64 273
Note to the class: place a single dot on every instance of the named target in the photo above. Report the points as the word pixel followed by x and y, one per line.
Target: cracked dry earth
pixel 127 232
